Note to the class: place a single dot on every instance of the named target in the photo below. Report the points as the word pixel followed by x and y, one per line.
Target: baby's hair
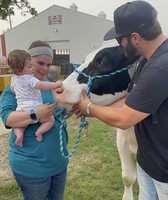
pixel 17 59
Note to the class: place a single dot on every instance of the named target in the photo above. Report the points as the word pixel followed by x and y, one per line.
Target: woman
pixel 38 167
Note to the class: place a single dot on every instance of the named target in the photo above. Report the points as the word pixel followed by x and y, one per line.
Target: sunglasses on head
pixel 119 39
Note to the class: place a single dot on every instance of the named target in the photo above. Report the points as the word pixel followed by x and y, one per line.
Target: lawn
pixel 94 171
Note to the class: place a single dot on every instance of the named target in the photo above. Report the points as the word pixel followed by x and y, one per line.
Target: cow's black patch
pixel 106 61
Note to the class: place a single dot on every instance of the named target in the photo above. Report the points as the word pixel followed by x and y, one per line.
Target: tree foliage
pixel 7 8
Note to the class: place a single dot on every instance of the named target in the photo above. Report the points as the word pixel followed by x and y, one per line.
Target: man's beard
pixel 130 50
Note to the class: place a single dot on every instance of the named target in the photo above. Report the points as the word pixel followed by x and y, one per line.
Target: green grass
pixel 94 171
pixel 10 192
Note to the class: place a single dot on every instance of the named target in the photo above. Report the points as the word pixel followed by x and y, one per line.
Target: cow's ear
pixel 119 58
pixel 119 52
pixel 131 60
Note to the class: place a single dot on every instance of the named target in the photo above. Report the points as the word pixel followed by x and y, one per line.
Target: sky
pixel 92 7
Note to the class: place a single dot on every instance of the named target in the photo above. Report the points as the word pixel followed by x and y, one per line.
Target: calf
pixel 105 91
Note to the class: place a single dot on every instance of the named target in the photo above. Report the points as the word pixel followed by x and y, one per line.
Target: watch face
pixel 33 116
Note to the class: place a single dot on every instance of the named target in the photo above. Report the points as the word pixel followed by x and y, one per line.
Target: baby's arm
pixel 12 89
pixel 48 85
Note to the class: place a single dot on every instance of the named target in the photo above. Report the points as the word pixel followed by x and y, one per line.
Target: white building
pixel 70 33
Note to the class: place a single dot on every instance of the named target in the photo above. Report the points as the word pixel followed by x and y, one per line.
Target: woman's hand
pixel 45 110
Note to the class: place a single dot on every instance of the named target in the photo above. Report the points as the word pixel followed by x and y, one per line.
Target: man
pixel 146 106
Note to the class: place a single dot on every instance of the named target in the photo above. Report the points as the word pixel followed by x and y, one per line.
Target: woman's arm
pixel 13 118
pixel 22 118
pixel 18 119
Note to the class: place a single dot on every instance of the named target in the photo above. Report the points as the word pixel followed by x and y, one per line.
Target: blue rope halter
pixel 91 78
pixel 83 122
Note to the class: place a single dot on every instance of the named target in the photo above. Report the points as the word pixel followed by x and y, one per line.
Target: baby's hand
pixel 59 84
pixel 57 92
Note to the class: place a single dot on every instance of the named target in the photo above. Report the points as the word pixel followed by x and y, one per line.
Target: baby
pixel 27 90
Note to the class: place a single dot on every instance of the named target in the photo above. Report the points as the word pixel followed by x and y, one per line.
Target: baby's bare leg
pixel 46 125
pixel 19 132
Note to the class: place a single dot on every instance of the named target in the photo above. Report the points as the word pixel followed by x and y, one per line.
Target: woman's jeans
pixel 150 189
pixel 51 188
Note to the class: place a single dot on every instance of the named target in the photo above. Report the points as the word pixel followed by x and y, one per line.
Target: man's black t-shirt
pixel 149 94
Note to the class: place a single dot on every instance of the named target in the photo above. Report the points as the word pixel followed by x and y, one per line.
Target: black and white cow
pixel 104 91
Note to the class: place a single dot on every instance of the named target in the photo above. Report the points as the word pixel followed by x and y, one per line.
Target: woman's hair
pixel 39 43
pixel 17 59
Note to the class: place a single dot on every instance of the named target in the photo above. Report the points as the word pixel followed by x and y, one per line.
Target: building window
pixel 62 58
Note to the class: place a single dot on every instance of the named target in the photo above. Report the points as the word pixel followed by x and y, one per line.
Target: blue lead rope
pixel 83 122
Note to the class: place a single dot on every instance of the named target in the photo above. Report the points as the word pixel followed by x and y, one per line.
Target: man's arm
pixel 115 115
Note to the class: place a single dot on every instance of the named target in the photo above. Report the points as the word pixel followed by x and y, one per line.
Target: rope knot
pixel 84 123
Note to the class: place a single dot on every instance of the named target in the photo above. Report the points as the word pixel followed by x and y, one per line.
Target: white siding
pixel 80 32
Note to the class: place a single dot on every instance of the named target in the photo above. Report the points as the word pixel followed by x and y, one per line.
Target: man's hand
pixel 80 108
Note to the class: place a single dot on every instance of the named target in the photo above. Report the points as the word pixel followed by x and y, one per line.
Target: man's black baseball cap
pixel 135 16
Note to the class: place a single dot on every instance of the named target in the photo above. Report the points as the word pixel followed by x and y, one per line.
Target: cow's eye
pixel 104 61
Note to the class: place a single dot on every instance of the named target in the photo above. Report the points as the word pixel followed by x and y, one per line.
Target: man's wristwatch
pixel 33 114
pixel 88 108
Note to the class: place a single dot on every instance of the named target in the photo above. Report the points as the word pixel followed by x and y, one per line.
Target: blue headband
pixel 42 50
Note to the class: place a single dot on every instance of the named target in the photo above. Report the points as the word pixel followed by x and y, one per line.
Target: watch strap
pixel 33 114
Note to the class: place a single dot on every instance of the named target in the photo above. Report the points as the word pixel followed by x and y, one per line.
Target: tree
pixel 7 8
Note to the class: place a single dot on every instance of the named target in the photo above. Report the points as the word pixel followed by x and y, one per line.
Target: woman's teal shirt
pixel 36 159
